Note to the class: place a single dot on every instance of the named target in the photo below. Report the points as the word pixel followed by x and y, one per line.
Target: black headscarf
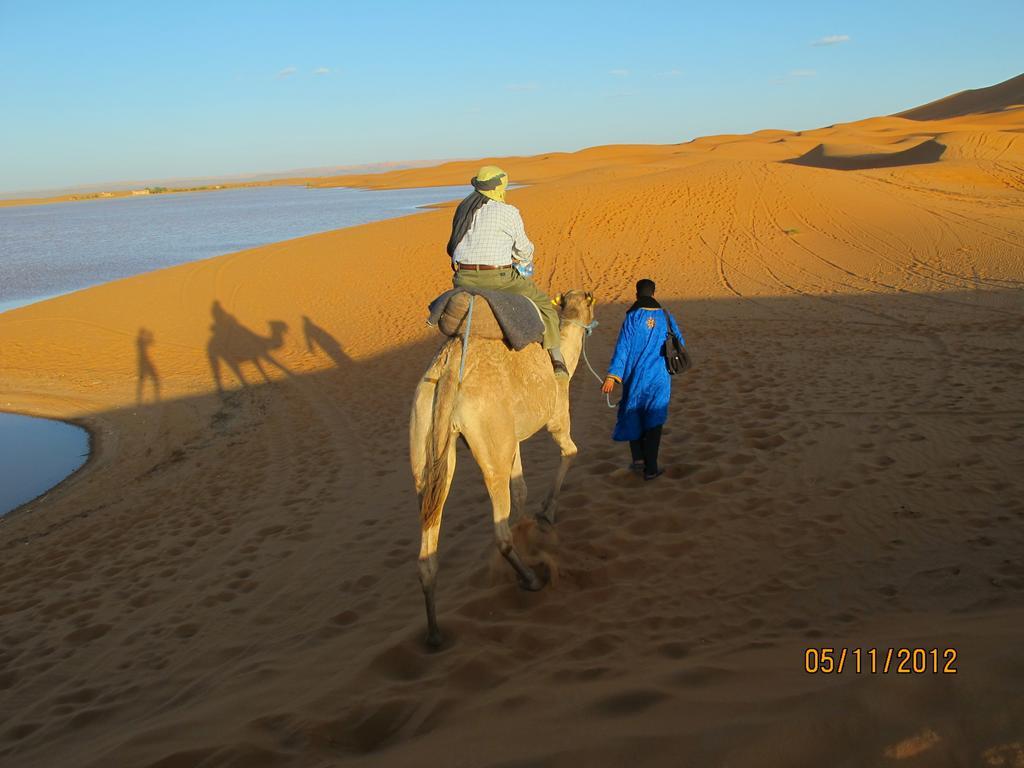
pixel 644 302
pixel 463 219
pixel 467 209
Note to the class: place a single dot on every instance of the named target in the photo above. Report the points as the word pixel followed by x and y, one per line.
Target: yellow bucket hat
pixel 490 181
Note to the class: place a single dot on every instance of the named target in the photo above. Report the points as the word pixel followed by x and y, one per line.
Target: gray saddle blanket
pixel 517 317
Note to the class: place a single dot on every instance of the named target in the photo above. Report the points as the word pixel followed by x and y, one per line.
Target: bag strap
pixel 668 325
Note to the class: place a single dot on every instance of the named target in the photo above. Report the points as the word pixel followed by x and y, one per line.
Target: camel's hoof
pixel 535 583
pixel 543 520
pixel 434 640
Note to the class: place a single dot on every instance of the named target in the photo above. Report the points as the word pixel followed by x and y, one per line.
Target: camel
pixel 235 344
pixel 504 398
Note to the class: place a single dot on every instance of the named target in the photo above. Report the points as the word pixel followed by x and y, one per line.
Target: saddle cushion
pixel 496 315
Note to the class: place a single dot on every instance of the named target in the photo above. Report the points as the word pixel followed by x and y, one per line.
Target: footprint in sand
pixel 628 703
pixel 674 650
pixel 19 732
pixel 710 475
pixel 345 618
pixel 364 728
pixel 87 634
pixel 405 661
pixel 680 471
pixel 186 631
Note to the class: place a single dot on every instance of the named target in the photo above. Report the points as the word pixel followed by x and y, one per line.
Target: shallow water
pixel 47 250
pixel 35 455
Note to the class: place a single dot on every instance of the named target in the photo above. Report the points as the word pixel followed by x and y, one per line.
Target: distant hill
pixel 991 99
pixel 232 180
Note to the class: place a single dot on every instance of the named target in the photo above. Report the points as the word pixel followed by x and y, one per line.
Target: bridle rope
pixel 587 330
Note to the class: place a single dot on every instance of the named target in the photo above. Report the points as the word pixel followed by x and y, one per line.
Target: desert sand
pixel 231 579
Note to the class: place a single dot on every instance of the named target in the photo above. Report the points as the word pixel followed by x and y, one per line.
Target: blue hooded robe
pixel 639 365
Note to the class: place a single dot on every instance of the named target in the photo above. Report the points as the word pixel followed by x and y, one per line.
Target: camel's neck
pixel 572 344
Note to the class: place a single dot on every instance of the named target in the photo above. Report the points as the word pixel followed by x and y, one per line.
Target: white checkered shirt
pixel 496 237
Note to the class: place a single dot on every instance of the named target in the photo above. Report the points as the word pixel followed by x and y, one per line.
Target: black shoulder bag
pixel 677 359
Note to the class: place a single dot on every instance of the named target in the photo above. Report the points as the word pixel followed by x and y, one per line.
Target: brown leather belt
pixel 478 267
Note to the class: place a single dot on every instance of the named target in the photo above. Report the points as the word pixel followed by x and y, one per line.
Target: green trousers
pixel 511 281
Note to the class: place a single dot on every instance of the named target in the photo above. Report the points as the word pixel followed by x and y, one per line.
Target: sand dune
pixel 845 157
pixel 1009 93
pixel 232 581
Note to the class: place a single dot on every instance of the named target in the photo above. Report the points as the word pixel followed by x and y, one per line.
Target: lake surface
pixel 35 455
pixel 47 250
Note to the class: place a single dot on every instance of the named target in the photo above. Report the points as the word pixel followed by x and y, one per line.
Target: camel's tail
pixel 439 441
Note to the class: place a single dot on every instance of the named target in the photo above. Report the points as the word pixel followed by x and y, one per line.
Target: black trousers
pixel 646 449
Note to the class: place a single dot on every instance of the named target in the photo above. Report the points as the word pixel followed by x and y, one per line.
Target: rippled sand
pixel 232 580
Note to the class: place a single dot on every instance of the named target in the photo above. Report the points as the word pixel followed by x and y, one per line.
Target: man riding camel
pixel 490 251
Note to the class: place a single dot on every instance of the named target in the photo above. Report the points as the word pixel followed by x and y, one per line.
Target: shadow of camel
pixel 820 157
pixel 317 337
pixel 235 344
pixel 146 369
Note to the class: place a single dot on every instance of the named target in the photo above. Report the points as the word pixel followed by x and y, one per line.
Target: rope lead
pixel 465 336
pixel 587 330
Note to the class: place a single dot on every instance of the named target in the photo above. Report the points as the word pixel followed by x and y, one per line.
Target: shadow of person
pixel 234 344
pixel 317 337
pixel 146 368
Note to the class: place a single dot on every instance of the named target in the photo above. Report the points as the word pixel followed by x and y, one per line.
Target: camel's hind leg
pixel 237 370
pixel 431 531
pixel 432 439
pixel 496 464
pixel 568 448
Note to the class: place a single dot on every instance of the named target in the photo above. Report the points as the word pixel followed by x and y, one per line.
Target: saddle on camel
pixel 492 386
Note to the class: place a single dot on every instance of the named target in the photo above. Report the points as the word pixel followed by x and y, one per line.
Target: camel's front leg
pixel 497 476
pixel 569 450
pixel 273 361
pixel 518 486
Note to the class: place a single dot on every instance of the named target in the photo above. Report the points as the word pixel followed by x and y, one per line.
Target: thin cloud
pixel 322 71
pixel 286 72
pixel 619 72
pixel 793 74
pixel 671 73
pixel 522 87
pixel 832 40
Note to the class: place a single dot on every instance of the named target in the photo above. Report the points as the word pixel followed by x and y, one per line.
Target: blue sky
pixel 106 91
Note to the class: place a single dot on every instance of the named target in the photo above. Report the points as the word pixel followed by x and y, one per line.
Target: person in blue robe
pixel 638 364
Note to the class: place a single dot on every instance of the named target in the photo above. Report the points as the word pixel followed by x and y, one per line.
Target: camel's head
pixel 576 305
